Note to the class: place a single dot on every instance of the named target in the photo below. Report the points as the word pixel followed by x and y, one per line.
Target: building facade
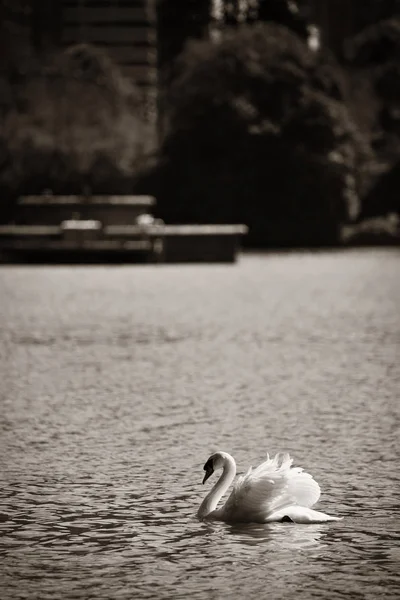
pixel 124 29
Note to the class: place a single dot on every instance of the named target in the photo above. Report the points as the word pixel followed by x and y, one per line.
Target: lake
pixel 117 383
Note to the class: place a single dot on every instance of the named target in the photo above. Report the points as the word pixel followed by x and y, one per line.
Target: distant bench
pixel 119 225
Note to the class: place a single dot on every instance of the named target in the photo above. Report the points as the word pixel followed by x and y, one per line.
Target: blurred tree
pixel 282 12
pixel 178 22
pixel 376 45
pixel 375 55
pixel 338 20
pixel 255 137
pixel 49 139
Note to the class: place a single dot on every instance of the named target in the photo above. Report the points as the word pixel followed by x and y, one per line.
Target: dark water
pixel 118 382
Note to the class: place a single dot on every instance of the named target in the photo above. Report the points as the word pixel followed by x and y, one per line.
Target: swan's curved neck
pixel 210 502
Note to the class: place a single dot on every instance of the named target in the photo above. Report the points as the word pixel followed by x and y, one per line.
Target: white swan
pixel 274 491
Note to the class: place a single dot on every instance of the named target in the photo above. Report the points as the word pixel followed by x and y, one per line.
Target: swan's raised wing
pixel 271 486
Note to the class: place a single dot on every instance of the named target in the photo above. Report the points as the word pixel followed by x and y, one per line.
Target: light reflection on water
pixel 117 383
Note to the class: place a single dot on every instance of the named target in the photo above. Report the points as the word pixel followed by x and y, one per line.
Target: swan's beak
pixel 209 471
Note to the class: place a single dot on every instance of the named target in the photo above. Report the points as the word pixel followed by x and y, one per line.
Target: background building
pixel 125 29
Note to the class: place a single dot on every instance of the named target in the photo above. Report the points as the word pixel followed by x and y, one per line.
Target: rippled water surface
pixel 118 382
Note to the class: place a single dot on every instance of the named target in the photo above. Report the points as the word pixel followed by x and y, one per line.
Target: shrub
pixel 378 231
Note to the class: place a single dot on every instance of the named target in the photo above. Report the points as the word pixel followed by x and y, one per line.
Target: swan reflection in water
pixel 274 536
pixel 290 538
pixel 272 492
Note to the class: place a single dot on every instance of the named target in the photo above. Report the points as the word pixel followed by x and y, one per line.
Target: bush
pixel 74 125
pixel 256 135
pixel 378 231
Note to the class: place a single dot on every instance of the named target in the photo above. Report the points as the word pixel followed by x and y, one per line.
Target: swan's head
pixel 215 462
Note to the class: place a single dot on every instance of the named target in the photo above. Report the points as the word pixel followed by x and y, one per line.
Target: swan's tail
pixel 300 514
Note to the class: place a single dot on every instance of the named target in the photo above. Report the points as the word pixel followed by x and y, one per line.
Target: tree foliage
pixel 376 53
pixel 282 12
pixel 73 124
pixel 254 136
pixel 179 22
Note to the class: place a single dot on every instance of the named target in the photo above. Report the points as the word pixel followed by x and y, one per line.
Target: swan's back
pixel 268 488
